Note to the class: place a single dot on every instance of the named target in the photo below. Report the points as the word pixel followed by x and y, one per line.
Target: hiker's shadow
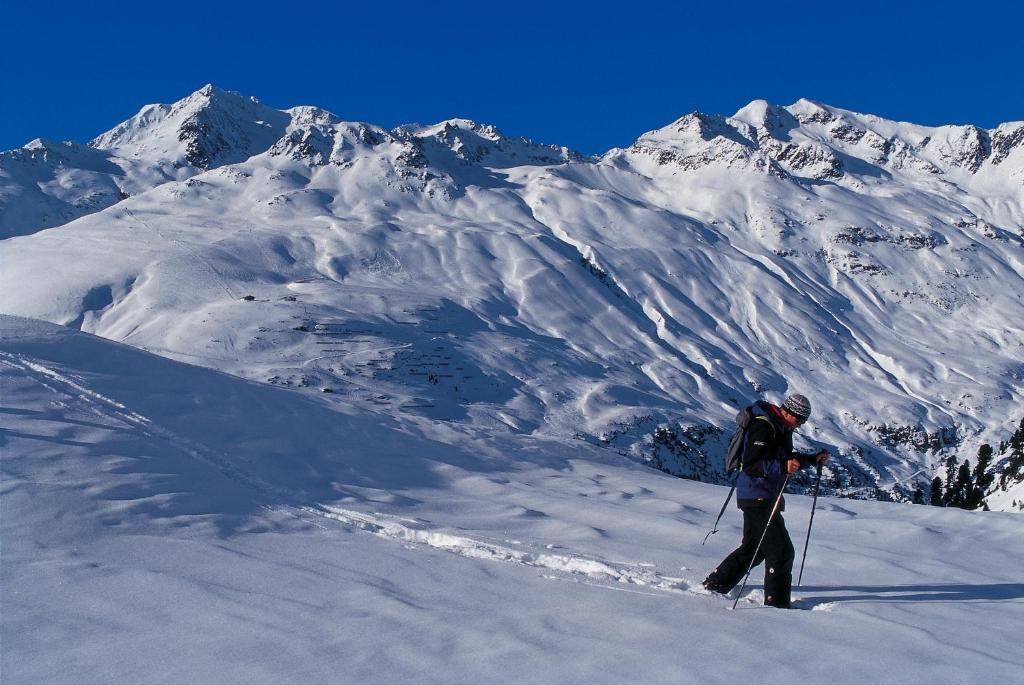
pixel 950 592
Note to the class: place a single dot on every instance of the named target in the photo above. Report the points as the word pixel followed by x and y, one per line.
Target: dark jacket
pixel 769 446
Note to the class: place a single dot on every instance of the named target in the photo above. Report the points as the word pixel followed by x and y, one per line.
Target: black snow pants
pixel 776 551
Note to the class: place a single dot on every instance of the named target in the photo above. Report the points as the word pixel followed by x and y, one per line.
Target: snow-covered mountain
pixel 633 301
pixel 209 128
pixel 47 183
pixel 810 140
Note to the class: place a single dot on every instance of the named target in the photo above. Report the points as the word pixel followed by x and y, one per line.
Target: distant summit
pixel 209 128
pixel 819 142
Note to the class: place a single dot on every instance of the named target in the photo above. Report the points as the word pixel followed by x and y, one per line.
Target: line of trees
pixel 965 487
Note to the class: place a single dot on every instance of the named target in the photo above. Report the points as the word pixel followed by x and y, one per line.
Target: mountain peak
pixel 59 152
pixel 39 144
pixel 809 111
pixel 451 127
pixel 476 143
pixel 208 128
pixel 308 115
pixel 213 95
pixel 764 116
pixel 754 111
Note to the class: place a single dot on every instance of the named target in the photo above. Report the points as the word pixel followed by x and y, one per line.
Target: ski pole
pixel 814 504
pixel 715 529
pixel 761 542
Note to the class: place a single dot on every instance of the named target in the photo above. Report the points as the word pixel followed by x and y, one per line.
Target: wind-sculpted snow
pixel 162 521
pixel 452 272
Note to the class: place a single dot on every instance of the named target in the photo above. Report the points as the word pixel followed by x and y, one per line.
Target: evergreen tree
pixel 982 478
pixel 935 498
pixel 1017 440
pixel 962 486
pixel 918 497
pixel 948 493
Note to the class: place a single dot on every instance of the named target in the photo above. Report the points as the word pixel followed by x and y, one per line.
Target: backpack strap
pixel 771 423
pixel 720 513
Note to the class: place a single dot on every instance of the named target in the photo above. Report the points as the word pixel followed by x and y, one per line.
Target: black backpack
pixel 734 455
pixel 738 443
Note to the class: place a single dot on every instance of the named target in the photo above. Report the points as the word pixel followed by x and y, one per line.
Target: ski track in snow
pixel 94 399
pixel 410 532
pixel 579 568
pixel 109 408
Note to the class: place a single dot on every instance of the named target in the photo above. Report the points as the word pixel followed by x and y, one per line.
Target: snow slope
pixel 168 523
pixel 470 277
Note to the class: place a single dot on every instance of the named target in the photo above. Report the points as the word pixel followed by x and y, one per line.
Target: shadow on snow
pixel 949 592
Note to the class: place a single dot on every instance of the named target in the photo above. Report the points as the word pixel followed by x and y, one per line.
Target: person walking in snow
pixel 768 460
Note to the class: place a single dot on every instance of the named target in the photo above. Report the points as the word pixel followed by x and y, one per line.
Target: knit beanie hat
pixel 799 406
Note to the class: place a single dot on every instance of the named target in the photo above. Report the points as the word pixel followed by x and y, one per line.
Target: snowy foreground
pixel 166 523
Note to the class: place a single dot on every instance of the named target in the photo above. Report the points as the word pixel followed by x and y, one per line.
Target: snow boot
pixel 777 589
pixel 711 584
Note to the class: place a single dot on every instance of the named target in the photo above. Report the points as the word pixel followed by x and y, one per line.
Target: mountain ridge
pixel 214 127
pixel 654 287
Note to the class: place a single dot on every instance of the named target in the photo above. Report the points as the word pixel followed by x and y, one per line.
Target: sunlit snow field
pixel 167 523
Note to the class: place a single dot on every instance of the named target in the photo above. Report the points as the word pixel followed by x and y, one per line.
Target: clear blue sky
pixel 587 75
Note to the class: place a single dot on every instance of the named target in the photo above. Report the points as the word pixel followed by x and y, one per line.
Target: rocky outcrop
pixel 1005 140
pixel 968 148
pixel 807 140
